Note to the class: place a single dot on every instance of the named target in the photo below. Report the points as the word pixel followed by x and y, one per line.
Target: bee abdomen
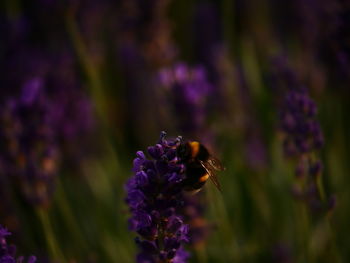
pixel 204 178
pixel 196 176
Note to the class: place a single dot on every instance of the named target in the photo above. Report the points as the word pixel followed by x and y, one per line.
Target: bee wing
pixel 216 164
pixel 210 170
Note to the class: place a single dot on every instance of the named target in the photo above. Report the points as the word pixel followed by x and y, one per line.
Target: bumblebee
pixel 200 166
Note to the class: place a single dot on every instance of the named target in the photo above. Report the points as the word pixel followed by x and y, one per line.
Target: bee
pixel 200 166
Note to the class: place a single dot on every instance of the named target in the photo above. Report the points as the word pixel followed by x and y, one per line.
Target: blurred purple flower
pixel 255 149
pixel 297 114
pixel 302 133
pixel 30 151
pixel 45 110
pixel 154 196
pixel 8 252
pixel 190 90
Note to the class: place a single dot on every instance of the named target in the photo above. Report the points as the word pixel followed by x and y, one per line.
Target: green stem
pixel 322 195
pixel 53 247
pixel 228 23
pixel 66 210
pixel 90 69
pixel 304 232
pixel 227 231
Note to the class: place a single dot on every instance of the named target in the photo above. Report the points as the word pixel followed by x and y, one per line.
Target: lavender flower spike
pixel 154 195
pixel 190 89
pixel 8 252
pixel 303 136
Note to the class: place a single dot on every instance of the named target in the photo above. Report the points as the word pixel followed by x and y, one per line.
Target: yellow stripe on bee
pixel 194 149
pixel 204 178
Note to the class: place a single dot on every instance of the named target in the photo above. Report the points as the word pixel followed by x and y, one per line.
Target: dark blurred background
pixel 263 84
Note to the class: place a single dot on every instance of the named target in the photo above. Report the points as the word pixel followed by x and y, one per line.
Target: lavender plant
pixel 49 110
pixel 303 136
pixel 189 91
pixel 155 199
pixel 30 151
pixel 8 252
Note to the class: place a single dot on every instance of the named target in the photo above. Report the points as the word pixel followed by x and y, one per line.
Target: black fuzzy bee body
pixel 200 165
